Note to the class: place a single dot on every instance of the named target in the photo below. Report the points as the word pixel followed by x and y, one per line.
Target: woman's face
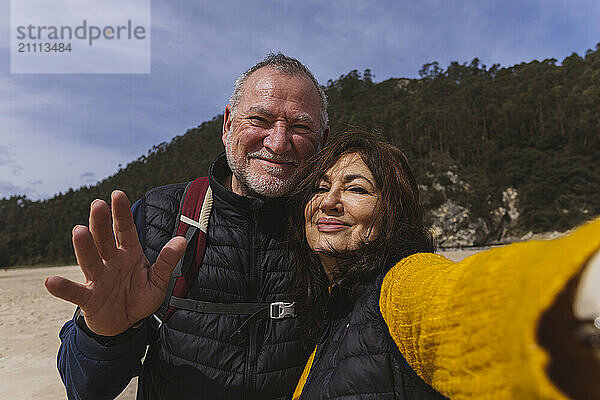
pixel 342 213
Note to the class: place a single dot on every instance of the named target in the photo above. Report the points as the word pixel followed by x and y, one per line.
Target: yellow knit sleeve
pixel 469 328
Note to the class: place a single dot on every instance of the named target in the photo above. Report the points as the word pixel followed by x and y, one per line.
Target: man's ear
pixel 227 121
pixel 325 136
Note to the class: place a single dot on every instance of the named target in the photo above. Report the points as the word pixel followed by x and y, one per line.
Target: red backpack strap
pixel 193 216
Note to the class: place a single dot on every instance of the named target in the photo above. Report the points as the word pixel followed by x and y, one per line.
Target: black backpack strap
pixel 275 310
pixel 257 311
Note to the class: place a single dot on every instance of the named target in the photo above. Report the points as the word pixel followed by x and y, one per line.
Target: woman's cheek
pixel 310 237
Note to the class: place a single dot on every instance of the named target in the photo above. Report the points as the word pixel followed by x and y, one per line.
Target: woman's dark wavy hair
pixel 400 216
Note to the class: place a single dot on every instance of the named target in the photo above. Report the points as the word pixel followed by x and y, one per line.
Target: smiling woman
pixel 349 217
pixel 391 320
pixel 353 229
pixel 343 212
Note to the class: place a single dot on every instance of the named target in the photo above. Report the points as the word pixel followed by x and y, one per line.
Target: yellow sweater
pixel 469 329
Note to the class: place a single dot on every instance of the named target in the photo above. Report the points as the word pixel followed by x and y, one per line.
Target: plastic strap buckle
pixel 281 310
pixel 155 321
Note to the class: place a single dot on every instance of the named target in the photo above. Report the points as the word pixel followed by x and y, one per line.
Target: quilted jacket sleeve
pixel 469 328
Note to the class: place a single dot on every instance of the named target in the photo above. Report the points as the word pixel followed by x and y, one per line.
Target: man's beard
pixel 271 183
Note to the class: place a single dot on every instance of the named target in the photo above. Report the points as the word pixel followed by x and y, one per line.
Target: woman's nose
pixel 332 201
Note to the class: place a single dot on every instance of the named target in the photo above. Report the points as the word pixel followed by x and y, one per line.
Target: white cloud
pixel 50 165
pixel 34 159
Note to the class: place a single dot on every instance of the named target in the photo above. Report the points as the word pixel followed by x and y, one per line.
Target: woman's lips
pixel 330 225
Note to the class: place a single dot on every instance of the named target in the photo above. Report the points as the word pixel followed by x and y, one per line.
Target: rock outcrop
pixel 453 224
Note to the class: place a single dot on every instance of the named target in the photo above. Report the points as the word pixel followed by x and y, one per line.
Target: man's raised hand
pixel 121 287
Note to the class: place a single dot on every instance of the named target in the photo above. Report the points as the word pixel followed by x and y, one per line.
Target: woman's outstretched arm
pixel 474 329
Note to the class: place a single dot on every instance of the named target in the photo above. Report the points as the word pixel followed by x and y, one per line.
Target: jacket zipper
pixel 250 377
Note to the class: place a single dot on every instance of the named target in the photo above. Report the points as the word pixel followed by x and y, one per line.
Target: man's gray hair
pixel 286 65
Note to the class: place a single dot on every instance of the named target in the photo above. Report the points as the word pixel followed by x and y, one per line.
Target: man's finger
pixel 101 229
pixel 65 289
pixel 169 256
pixel 125 232
pixel 86 253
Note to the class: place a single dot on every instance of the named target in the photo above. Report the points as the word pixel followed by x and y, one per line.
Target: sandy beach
pixel 30 319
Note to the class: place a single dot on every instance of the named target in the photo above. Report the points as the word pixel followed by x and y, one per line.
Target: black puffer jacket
pixel 357 358
pixel 193 357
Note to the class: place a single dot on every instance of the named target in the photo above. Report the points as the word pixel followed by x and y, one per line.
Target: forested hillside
pixel 498 152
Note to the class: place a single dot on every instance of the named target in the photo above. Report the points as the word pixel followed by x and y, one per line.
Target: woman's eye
pixel 322 189
pixel 358 189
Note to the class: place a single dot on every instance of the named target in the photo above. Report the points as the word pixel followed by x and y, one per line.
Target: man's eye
pixel 322 189
pixel 258 120
pixel 302 128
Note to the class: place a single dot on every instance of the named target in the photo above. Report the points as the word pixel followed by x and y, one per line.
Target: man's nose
pixel 278 140
pixel 332 202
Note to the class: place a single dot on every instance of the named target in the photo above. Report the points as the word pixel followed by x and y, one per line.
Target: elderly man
pixel 276 118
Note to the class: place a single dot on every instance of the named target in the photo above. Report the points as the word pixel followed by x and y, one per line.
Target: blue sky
pixel 61 131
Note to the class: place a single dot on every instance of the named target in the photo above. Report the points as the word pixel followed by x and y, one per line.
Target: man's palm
pixel 121 287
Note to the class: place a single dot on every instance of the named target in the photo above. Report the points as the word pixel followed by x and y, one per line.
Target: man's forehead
pixel 269 83
pixel 297 115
